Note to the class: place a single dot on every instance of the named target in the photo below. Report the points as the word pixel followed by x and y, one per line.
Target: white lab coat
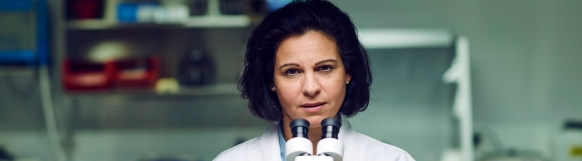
pixel 357 147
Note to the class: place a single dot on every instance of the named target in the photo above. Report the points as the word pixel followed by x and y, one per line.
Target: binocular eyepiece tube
pixel 329 148
pixel 299 128
pixel 329 126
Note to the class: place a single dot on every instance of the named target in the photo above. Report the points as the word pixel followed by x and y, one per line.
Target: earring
pixel 347 82
pixel 273 89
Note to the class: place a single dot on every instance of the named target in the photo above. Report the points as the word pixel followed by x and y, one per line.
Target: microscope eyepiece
pixel 330 128
pixel 299 127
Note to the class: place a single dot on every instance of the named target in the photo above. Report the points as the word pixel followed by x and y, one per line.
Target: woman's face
pixel 309 77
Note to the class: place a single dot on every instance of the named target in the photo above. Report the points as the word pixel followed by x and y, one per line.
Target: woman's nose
pixel 311 86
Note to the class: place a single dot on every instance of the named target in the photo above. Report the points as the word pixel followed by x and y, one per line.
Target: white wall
pixel 525 58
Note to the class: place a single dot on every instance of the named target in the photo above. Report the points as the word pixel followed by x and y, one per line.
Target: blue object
pixel 274 5
pixel 42 33
pixel 127 12
pixel 17 57
pixel 16 5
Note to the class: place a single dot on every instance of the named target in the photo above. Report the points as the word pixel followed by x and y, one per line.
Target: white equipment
pixel 329 148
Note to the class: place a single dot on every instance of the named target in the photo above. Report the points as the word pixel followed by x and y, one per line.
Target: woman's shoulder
pixel 377 150
pixel 239 151
pixel 254 149
pixel 371 142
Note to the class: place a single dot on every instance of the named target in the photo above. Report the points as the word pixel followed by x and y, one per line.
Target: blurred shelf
pixel 202 90
pixel 376 38
pixel 210 21
pixel 17 71
pixel 219 21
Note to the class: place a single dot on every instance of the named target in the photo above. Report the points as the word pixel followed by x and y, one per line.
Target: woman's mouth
pixel 312 107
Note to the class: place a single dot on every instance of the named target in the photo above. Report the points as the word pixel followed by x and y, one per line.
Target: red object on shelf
pixel 88 75
pixel 137 72
pixel 85 9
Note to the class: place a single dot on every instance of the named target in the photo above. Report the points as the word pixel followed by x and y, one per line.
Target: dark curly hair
pixel 296 18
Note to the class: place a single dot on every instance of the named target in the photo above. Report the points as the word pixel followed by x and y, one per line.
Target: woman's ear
pixel 272 87
pixel 348 78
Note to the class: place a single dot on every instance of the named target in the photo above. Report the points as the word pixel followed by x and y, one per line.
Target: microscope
pixel 329 148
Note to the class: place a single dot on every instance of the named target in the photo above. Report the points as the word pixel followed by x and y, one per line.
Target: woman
pixel 305 61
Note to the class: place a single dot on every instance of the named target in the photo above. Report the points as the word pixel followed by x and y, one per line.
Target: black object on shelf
pixel 573 124
pixel 196 68
pixel 198 7
pixel 232 7
pixel 4 155
pixel 256 9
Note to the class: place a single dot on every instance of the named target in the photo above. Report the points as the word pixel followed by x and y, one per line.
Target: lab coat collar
pixel 269 142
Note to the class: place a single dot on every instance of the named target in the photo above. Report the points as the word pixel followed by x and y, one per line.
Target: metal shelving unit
pixel 212 19
pixel 186 91
pixel 35 57
pixel 167 39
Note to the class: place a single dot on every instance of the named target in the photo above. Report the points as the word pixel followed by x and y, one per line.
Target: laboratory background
pixel 150 80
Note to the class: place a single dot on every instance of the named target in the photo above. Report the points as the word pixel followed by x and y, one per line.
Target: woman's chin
pixel 315 121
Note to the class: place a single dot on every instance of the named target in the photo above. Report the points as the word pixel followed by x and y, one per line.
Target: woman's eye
pixel 292 72
pixel 325 68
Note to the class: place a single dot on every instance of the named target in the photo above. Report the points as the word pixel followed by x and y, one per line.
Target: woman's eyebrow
pixel 318 63
pixel 325 61
pixel 288 64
